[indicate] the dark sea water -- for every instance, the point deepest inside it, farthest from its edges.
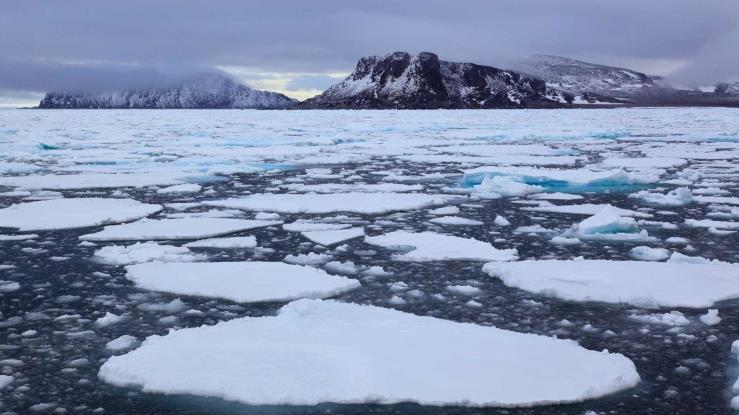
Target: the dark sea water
(47, 323)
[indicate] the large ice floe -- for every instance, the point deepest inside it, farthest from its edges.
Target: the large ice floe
(93, 180)
(645, 284)
(73, 213)
(180, 228)
(431, 246)
(369, 203)
(239, 281)
(317, 351)
(144, 252)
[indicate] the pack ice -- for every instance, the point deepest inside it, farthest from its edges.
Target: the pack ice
(317, 351)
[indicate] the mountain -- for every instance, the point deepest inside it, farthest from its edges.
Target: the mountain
(205, 90)
(591, 83)
(727, 89)
(577, 77)
(402, 81)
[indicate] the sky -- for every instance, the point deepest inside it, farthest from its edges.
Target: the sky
(300, 47)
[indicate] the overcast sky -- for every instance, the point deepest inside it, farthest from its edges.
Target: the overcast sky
(301, 47)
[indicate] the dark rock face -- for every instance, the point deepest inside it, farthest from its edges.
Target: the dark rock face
(205, 91)
(402, 81)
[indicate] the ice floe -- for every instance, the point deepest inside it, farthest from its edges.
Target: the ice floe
(645, 253)
(333, 237)
(181, 228)
(239, 281)
(679, 197)
(232, 242)
(430, 246)
(369, 203)
(73, 213)
(609, 225)
(455, 221)
(325, 351)
(144, 252)
(645, 284)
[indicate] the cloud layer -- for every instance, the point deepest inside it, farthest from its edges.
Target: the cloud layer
(57, 45)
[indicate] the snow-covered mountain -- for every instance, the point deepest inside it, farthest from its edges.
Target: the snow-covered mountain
(727, 88)
(589, 79)
(401, 80)
(205, 90)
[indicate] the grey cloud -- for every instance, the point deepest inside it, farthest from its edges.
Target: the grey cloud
(320, 82)
(320, 36)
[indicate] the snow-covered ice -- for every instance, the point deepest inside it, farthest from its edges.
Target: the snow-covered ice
(333, 237)
(645, 284)
(325, 351)
(144, 252)
(431, 246)
(455, 221)
(232, 242)
(180, 228)
(73, 213)
(333, 202)
(239, 281)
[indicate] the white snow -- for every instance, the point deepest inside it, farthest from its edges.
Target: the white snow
(123, 342)
(711, 318)
(430, 246)
(73, 213)
(466, 290)
(308, 226)
(310, 258)
(645, 253)
(180, 188)
(144, 252)
(493, 187)
(325, 351)
(673, 318)
(446, 210)
(679, 197)
(555, 196)
(93, 180)
(239, 281)
(501, 221)
(369, 203)
(179, 228)
(333, 237)
(644, 284)
(232, 242)
(108, 319)
(455, 221)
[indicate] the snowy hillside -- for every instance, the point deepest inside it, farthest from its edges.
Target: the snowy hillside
(206, 90)
(577, 77)
(401, 80)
